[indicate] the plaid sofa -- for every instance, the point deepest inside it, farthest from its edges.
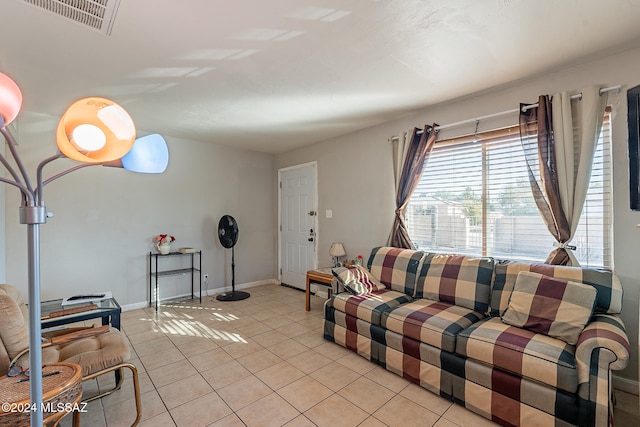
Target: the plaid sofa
(439, 323)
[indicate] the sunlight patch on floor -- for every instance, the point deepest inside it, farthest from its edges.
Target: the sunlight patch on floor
(198, 329)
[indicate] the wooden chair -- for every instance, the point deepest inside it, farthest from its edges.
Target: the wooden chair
(98, 351)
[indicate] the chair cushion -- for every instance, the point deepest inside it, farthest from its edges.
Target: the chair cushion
(521, 352)
(555, 307)
(14, 332)
(369, 307)
(609, 299)
(13, 292)
(396, 268)
(357, 280)
(432, 322)
(93, 354)
(456, 279)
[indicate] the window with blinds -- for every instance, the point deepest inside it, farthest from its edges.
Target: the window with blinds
(474, 198)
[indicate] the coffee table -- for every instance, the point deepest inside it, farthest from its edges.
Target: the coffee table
(53, 313)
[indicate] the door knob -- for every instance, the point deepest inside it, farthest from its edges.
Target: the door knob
(310, 239)
(312, 213)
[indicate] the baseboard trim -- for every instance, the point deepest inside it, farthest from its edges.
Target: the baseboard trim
(247, 285)
(205, 292)
(134, 306)
(624, 384)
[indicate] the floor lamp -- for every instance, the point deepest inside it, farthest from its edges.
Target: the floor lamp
(95, 131)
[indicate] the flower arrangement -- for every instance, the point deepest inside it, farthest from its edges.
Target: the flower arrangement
(163, 239)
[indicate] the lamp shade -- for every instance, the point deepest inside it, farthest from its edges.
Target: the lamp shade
(337, 249)
(149, 154)
(95, 130)
(10, 99)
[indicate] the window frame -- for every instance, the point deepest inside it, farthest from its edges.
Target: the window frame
(507, 134)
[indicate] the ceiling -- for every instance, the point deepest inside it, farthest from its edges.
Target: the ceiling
(279, 74)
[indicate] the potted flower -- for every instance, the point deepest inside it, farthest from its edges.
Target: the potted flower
(162, 242)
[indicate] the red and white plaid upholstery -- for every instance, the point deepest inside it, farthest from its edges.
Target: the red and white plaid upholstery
(432, 322)
(546, 305)
(456, 279)
(525, 353)
(510, 375)
(370, 306)
(609, 299)
(397, 268)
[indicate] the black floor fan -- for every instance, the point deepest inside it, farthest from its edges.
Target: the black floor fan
(228, 235)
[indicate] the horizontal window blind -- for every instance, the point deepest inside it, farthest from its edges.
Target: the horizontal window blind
(474, 198)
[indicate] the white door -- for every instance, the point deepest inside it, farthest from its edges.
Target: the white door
(298, 223)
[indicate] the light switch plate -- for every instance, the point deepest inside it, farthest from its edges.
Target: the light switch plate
(328, 213)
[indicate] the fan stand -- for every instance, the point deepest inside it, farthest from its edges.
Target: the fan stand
(233, 295)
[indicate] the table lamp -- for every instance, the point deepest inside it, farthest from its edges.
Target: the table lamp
(336, 251)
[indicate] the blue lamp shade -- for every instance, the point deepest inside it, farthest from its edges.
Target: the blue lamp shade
(149, 154)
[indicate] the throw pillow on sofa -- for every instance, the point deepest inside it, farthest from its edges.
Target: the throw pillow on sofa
(396, 268)
(550, 306)
(357, 280)
(456, 279)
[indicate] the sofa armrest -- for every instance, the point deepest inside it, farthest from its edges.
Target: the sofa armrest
(603, 346)
(606, 332)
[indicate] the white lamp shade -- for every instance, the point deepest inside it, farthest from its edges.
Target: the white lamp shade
(337, 249)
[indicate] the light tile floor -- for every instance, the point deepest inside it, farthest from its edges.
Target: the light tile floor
(263, 362)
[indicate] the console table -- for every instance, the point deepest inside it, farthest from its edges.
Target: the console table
(155, 273)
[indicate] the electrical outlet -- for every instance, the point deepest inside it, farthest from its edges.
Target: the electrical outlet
(205, 276)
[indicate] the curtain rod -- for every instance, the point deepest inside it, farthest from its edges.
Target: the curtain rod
(615, 88)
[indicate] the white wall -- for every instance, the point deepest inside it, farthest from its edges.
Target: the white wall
(105, 219)
(355, 181)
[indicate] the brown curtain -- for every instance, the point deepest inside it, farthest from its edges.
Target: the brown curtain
(417, 153)
(536, 136)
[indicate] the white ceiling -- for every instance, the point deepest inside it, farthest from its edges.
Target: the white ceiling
(272, 75)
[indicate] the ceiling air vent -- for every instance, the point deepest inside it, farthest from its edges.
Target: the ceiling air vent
(95, 14)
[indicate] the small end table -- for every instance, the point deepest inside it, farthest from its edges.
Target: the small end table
(61, 394)
(53, 313)
(321, 276)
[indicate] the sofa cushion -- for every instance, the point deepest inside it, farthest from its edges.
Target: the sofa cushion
(370, 306)
(432, 322)
(521, 352)
(396, 268)
(555, 307)
(609, 299)
(357, 280)
(456, 279)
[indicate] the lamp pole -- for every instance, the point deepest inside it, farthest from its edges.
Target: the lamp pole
(31, 215)
(35, 344)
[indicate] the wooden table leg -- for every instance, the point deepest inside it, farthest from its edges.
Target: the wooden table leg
(308, 294)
